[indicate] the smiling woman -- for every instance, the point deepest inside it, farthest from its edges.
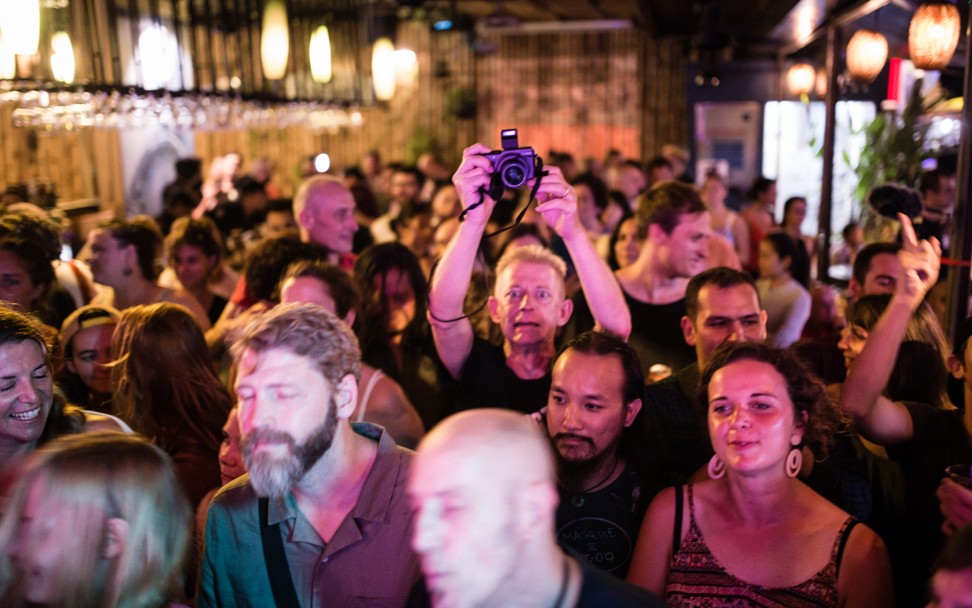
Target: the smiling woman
(31, 411)
(755, 532)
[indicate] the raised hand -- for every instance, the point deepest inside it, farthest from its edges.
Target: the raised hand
(955, 503)
(472, 181)
(920, 262)
(557, 204)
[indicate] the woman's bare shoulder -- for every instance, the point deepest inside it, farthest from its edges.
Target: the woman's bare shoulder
(96, 421)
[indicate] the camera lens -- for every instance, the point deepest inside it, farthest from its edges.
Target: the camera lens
(513, 176)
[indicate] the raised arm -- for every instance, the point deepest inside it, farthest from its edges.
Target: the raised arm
(558, 206)
(454, 339)
(875, 416)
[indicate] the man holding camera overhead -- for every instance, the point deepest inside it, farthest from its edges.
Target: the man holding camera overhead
(528, 301)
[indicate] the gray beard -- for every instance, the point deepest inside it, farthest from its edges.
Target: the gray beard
(275, 476)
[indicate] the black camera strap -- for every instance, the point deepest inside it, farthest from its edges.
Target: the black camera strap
(495, 191)
(495, 184)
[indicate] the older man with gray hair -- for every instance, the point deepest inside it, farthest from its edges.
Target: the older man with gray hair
(324, 208)
(529, 301)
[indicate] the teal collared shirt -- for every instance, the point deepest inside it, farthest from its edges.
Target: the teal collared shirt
(368, 561)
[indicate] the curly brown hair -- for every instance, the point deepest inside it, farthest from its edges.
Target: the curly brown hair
(35, 242)
(809, 396)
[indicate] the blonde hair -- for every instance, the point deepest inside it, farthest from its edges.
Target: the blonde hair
(532, 254)
(83, 481)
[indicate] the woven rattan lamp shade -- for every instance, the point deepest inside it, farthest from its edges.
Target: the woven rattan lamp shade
(933, 35)
(867, 53)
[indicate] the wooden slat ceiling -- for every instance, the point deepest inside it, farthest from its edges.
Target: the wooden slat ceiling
(752, 28)
(747, 24)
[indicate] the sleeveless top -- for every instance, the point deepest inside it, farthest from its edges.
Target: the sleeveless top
(726, 228)
(696, 578)
(366, 393)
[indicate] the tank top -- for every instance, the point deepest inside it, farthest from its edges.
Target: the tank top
(696, 578)
(366, 393)
(726, 228)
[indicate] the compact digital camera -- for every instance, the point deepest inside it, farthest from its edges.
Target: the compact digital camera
(514, 165)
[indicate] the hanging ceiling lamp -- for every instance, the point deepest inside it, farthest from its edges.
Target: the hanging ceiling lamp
(933, 35)
(160, 57)
(20, 25)
(801, 78)
(320, 55)
(8, 60)
(383, 69)
(62, 57)
(406, 67)
(275, 40)
(867, 52)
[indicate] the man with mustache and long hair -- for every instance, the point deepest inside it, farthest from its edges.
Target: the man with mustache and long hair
(595, 395)
(323, 511)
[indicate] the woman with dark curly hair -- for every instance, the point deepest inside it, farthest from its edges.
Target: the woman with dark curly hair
(393, 329)
(126, 255)
(28, 245)
(754, 533)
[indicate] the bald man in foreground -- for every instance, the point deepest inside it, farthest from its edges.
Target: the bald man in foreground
(484, 492)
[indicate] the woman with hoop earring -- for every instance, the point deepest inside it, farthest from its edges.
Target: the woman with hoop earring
(754, 534)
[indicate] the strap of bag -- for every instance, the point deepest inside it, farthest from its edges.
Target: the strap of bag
(282, 585)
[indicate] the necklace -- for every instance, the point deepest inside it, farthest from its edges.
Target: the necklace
(578, 499)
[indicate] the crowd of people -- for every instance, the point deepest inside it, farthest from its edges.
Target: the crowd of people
(396, 389)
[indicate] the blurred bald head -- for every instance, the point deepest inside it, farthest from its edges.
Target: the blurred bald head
(324, 208)
(508, 447)
(483, 489)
